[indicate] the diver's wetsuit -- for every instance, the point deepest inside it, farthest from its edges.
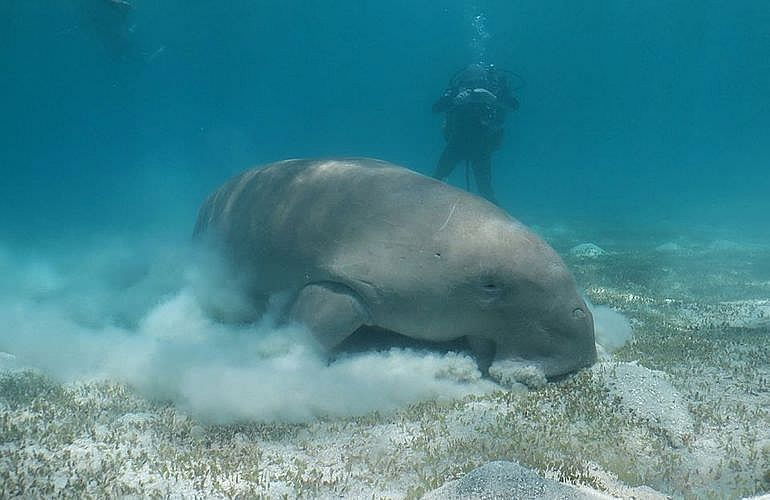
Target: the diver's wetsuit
(475, 103)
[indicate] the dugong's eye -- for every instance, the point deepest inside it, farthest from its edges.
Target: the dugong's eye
(578, 313)
(490, 292)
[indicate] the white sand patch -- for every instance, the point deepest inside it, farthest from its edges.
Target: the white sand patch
(649, 395)
(587, 251)
(669, 247)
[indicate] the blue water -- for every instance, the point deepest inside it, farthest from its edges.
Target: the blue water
(636, 113)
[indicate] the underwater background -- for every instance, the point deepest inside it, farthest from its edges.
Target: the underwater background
(121, 119)
(640, 152)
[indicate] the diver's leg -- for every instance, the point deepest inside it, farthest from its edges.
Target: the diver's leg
(482, 171)
(446, 162)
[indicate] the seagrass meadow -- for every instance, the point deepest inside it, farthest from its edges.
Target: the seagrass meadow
(682, 409)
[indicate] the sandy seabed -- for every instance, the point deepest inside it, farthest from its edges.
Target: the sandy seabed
(683, 409)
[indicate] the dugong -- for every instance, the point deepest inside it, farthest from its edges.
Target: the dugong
(361, 242)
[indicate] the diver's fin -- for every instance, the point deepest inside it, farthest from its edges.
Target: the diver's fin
(332, 311)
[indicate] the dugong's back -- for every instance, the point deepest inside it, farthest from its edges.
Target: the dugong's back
(297, 214)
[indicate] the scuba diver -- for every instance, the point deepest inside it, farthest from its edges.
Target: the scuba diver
(475, 103)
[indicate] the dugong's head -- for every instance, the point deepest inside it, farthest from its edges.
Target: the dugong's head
(497, 281)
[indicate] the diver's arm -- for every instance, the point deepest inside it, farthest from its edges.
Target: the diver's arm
(511, 102)
(444, 102)
(508, 99)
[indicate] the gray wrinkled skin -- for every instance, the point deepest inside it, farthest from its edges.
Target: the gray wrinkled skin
(361, 242)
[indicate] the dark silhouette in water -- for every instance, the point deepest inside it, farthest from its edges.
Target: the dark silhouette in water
(110, 22)
(475, 103)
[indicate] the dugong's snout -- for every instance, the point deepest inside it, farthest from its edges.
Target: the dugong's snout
(557, 344)
(579, 348)
(572, 341)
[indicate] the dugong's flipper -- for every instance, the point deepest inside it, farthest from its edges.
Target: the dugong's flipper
(332, 311)
(484, 350)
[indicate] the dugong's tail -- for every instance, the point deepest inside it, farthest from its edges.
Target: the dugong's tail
(202, 224)
(210, 211)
